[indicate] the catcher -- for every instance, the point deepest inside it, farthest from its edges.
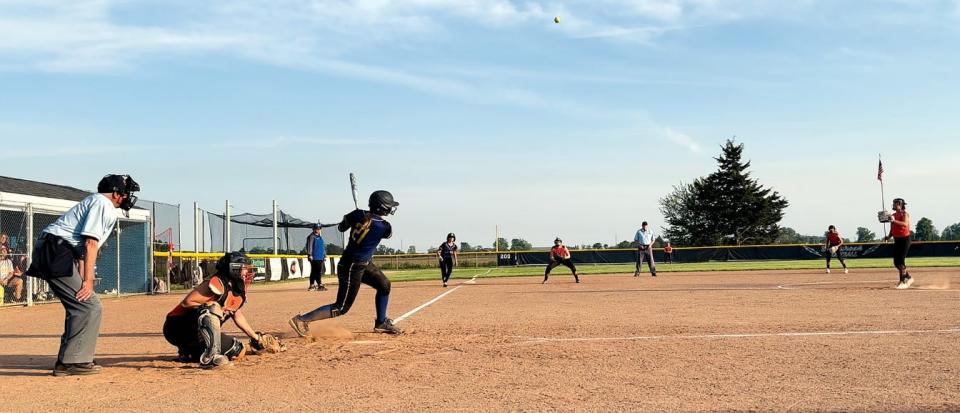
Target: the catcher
(194, 326)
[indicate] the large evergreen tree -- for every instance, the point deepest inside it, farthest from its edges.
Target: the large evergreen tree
(725, 207)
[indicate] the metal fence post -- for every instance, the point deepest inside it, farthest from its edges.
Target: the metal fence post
(151, 229)
(118, 258)
(30, 280)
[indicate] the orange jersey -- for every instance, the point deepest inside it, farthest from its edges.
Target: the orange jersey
(899, 230)
(560, 252)
(227, 299)
(668, 249)
(834, 238)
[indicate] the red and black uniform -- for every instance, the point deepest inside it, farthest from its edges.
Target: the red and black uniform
(901, 243)
(834, 240)
(559, 255)
(182, 328)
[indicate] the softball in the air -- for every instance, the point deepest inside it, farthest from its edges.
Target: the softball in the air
(556, 19)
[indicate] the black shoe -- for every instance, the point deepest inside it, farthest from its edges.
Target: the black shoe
(75, 369)
(322, 287)
(387, 327)
(636, 274)
(653, 274)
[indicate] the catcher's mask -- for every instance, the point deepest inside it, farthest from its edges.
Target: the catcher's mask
(557, 241)
(382, 203)
(236, 268)
(120, 184)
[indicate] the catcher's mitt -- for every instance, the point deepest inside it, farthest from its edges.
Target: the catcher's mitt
(267, 343)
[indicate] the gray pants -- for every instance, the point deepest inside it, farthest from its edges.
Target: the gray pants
(82, 325)
(645, 253)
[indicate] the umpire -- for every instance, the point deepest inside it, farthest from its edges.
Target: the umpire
(65, 257)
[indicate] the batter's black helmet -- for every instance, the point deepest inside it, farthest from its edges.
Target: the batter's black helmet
(382, 203)
(451, 235)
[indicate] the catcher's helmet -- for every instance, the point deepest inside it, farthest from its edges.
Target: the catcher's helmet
(230, 266)
(382, 203)
(121, 184)
(557, 240)
(900, 201)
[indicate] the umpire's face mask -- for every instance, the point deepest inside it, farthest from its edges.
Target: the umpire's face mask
(128, 202)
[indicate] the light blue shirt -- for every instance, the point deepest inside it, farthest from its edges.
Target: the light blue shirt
(644, 237)
(93, 217)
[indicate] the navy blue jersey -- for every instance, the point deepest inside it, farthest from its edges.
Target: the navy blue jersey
(446, 250)
(366, 231)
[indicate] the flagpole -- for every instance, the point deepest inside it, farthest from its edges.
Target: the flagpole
(883, 198)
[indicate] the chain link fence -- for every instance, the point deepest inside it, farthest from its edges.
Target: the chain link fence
(122, 266)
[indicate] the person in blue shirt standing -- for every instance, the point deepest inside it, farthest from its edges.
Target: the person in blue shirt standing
(367, 228)
(644, 240)
(66, 255)
(317, 254)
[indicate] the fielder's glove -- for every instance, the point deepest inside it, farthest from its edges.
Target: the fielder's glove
(266, 343)
(884, 216)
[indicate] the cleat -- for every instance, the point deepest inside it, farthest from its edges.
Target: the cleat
(217, 362)
(444, 284)
(901, 286)
(908, 282)
(302, 328)
(322, 287)
(828, 271)
(387, 327)
(636, 274)
(846, 271)
(76, 369)
(312, 288)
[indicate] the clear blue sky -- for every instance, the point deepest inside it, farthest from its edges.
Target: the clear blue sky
(476, 113)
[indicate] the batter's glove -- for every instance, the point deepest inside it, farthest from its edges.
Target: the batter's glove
(266, 343)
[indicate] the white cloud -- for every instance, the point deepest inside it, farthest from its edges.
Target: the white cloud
(681, 139)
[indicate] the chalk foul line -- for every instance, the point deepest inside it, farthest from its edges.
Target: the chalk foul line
(437, 298)
(739, 335)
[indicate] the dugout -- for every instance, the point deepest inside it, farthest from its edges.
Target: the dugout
(27, 207)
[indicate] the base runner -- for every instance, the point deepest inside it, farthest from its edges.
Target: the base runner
(447, 255)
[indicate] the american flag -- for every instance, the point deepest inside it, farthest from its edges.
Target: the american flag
(880, 171)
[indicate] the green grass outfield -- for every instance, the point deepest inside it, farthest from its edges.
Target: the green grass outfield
(469, 272)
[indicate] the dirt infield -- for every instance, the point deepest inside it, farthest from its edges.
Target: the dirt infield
(782, 341)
